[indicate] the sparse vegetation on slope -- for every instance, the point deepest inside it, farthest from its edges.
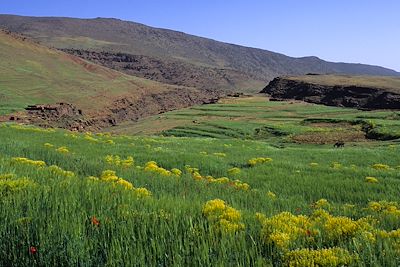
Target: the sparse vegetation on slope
(33, 74)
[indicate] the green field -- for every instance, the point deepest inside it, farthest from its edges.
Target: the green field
(256, 118)
(249, 183)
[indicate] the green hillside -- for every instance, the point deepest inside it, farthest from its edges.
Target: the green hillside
(32, 74)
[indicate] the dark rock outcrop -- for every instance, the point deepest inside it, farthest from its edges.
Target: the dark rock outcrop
(337, 95)
(67, 116)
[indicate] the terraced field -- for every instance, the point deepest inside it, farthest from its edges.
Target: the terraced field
(257, 118)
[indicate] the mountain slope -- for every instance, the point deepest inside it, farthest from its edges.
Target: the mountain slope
(31, 73)
(117, 36)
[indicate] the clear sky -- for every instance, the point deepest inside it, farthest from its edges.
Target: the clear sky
(360, 31)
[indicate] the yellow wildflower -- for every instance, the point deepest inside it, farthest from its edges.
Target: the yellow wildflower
(62, 149)
(370, 179)
(322, 203)
(234, 171)
(48, 145)
(124, 183)
(59, 171)
(109, 176)
(336, 165)
(271, 195)
(176, 172)
(254, 161)
(37, 163)
(7, 176)
(110, 142)
(222, 216)
(327, 257)
(152, 166)
(380, 166)
(142, 192)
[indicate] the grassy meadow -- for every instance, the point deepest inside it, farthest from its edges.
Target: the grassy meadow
(249, 183)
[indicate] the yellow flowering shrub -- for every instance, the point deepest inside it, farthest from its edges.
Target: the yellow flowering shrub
(284, 230)
(384, 207)
(111, 177)
(176, 171)
(336, 165)
(223, 217)
(240, 185)
(152, 166)
(91, 139)
(48, 145)
(391, 234)
(7, 176)
(59, 171)
(327, 257)
(32, 129)
(110, 142)
(237, 184)
(380, 166)
(125, 184)
(234, 171)
(322, 203)
(255, 161)
(219, 154)
(117, 161)
(26, 161)
(13, 185)
(271, 195)
(142, 192)
(371, 179)
(71, 135)
(62, 149)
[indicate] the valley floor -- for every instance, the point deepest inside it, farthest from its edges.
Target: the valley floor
(244, 182)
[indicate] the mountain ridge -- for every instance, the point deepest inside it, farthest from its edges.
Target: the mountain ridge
(119, 36)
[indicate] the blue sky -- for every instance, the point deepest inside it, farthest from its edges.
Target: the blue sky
(360, 31)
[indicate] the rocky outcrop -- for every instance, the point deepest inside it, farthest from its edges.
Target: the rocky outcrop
(132, 109)
(61, 115)
(68, 116)
(333, 95)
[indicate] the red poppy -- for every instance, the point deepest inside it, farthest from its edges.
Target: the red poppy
(32, 250)
(95, 221)
(308, 232)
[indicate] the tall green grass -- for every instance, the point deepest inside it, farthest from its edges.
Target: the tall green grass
(55, 214)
